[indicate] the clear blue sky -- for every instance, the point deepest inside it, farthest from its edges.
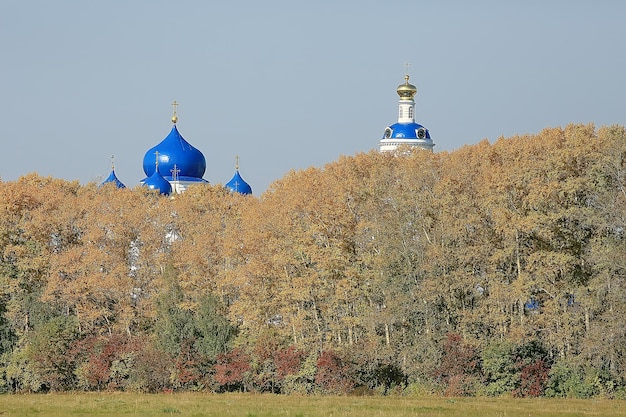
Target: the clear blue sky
(291, 84)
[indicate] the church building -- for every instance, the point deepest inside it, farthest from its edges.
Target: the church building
(406, 131)
(173, 165)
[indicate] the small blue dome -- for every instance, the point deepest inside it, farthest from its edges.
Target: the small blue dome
(406, 131)
(237, 184)
(175, 150)
(112, 178)
(157, 182)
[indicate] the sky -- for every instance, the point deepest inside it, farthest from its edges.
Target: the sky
(289, 84)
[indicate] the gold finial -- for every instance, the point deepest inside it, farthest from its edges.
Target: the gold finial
(406, 91)
(156, 162)
(112, 162)
(174, 117)
(237, 162)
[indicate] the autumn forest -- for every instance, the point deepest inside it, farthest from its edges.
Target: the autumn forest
(495, 269)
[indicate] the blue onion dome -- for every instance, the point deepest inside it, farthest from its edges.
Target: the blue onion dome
(238, 185)
(406, 131)
(157, 182)
(112, 178)
(177, 158)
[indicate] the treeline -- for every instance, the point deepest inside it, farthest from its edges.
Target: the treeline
(496, 269)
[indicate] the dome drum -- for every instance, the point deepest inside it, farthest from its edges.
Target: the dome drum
(406, 131)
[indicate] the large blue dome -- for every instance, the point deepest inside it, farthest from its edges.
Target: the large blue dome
(175, 150)
(406, 131)
(237, 184)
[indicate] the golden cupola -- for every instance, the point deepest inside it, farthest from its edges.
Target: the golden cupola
(406, 91)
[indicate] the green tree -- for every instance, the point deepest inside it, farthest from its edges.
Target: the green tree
(48, 354)
(501, 375)
(193, 338)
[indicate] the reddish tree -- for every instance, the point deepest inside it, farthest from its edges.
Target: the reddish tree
(459, 366)
(190, 365)
(533, 365)
(121, 362)
(533, 379)
(232, 368)
(102, 352)
(288, 361)
(333, 374)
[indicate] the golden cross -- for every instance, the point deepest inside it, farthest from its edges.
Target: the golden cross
(237, 162)
(157, 159)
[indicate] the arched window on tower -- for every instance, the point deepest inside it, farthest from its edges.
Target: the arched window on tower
(410, 112)
(400, 112)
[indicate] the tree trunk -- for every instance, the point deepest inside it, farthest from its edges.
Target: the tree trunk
(387, 337)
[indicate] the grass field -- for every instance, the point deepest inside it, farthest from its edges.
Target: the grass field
(250, 405)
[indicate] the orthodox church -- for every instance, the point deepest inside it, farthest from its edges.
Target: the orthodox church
(406, 131)
(174, 164)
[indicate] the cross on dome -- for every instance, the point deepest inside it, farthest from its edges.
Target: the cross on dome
(238, 184)
(175, 116)
(175, 172)
(177, 159)
(406, 131)
(112, 178)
